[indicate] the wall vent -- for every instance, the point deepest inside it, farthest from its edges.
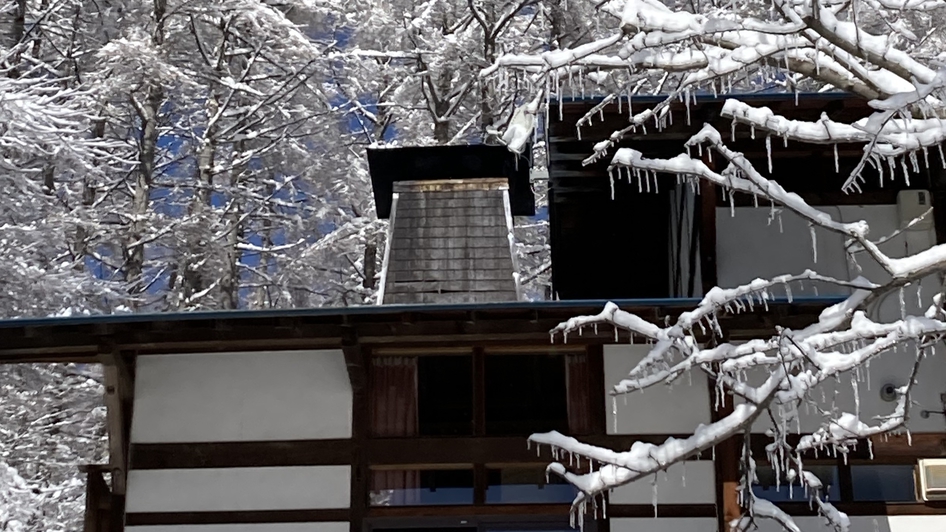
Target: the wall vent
(931, 479)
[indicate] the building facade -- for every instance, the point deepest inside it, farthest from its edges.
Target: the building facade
(403, 418)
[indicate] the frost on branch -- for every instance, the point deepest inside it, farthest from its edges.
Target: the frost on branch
(880, 50)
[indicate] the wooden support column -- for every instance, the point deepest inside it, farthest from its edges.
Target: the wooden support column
(707, 229)
(480, 474)
(119, 399)
(356, 360)
(938, 201)
(726, 465)
(599, 403)
(98, 500)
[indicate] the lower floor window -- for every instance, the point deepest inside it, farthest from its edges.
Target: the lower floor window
(527, 485)
(428, 487)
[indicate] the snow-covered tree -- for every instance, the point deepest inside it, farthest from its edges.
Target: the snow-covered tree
(886, 51)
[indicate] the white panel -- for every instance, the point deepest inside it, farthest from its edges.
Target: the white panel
(239, 488)
(659, 409)
(748, 247)
(689, 484)
(916, 523)
(259, 396)
(664, 524)
(261, 527)
(867, 523)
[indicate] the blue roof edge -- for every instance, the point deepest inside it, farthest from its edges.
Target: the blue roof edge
(102, 319)
(709, 97)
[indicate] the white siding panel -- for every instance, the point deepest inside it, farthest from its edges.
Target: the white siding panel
(749, 247)
(689, 484)
(262, 527)
(656, 410)
(916, 523)
(235, 489)
(664, 524)
(258, 396)
(868, 523)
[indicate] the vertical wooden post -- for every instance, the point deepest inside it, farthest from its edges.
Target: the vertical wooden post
(119, 400)
(480, 474)
(599, 403)
(707, 221)
(97, 500)
(356, 360)
(938, 201)
(726, 464)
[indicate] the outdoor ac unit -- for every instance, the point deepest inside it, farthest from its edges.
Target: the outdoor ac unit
(931, 479)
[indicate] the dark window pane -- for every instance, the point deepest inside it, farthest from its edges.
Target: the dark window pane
(766, 488)
(527, 485)
(883, 483)
(421, 488)
(445, 395)
(525, 394)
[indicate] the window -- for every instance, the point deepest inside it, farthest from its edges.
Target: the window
(445, 395)
(421, 396)
(525, 394)
(527, 485)
(766, 488)
(421, 488)
(890, 483)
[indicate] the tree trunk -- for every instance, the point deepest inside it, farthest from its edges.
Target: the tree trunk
(370, 266)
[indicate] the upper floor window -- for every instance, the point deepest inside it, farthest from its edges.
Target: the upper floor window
(511, 395)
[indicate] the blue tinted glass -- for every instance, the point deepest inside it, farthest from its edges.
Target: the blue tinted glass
(766, 488)
(421, 488)
(421, 496)
(883, 483)
(527, 485)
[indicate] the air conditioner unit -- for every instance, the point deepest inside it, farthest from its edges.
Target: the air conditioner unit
(931, 479)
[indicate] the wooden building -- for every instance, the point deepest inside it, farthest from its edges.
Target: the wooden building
(400, 418)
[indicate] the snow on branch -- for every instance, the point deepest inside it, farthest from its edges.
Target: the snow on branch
(881, 50)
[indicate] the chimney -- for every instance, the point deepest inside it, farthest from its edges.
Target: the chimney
(450, 211)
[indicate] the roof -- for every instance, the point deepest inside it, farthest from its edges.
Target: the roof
(450, 241)
(424, 163)
(86, 338)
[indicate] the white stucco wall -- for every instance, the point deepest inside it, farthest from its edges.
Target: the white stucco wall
(263, 527)
(880, 523)
(657, 410)
(689, 483)
(664, 524)
(749, 247)
(256, 396)
(236, 489)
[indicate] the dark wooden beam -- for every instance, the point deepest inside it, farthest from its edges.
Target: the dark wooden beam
(357, 359)
(599, 403)
(937, 179)
(485, 450)
(662, 510)
(119, 399)
(237, 517)
(726, 464)
(870, 508)
(707, 229)
(241, 454)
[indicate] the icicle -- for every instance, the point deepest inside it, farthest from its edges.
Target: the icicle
(919, 290)
(814, 244)
(768, 150)
(836, 163)
(654, 499)
(614, 412)
(903, 304)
